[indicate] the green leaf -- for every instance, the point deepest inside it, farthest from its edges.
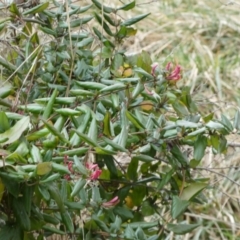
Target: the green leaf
(192, 190)
(5, 91)
(78, 186)
(177, 153)
(143, 158)
(143, 72)
(199, 147)
(187, 124)
(111, 166)
(67, 220)
(53, 230)
(7, 65)
(123, 212)
(197, 132)
(236, 123)
(54, 131)
(51, 178)
(75, 139)
(75, 151)
(178, 206)
(55, 195)
(103, 7)
(91, 85)
(50, 219)
(106, 124)
(214, 125)
(141, 224)
(226, 122)
(114, 145)
(182, 228)
(134, 120)
(129, 233)
(10, 184)
(165, 179)
(114, 87)
(11, 231)
(14, 9)
(15, 132)
(86, 139)
(44, 192)
(132, 170)
(135, 19)
(4, 123)
(39, 8)
(49, 107)
(44, 168)
(180, 108)
(68, 112)
(21, 214)
(103, 24)
(80, 167)
(127, 6)
(100, 224)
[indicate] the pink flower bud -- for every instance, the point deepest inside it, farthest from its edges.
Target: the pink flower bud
(174, 74)
(154, 66)
(95, 175)
(111, 203)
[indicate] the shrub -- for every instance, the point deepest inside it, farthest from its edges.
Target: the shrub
(96, 144)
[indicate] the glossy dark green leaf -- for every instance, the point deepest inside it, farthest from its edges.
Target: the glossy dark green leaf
(114, 145)
(127, 6)
(14, 9)
(134, 20)
(14, 133)
(55, 195)
(192, 190)
(100, 224)
(134, 120)
(103, 24)
(11, 231)
(109, 161)
(39, 8)
(182, 228)
(53, 230)
(54, 131)
(103, 7)
(199, 147)
(177, 153)
(67, 220)
(21, 213)
(132, 172)
(4, 122)
(165, 178)
(78, 186)
(178, 206)
(5, 91)
(86, 139)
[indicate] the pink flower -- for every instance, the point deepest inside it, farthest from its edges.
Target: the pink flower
(111, 203)
(95, 175)
(154, 66)
(174, 74)
(95, 171)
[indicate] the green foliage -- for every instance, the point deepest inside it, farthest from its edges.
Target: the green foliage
(79, 102)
